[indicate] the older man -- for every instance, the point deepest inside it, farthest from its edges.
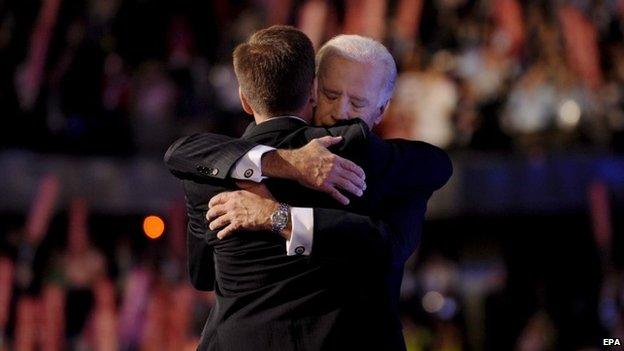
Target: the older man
(338, 286)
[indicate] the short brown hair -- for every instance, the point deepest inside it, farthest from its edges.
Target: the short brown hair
(275, 70)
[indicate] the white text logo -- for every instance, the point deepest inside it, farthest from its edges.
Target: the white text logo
(611, 342)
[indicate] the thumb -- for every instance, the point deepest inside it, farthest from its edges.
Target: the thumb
(328, 141)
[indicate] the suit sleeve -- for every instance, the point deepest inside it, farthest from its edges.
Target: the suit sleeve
(205, 156)
(414, 166)
(389, 238)
(200, 258)
(200, 249)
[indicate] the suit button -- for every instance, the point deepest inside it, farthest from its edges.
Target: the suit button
(248, 173)
(299, 250)
(199, 168)
(214, 171)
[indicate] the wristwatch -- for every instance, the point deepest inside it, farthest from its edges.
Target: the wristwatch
(279, 218)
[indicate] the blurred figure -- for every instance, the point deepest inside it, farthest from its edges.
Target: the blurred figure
(423, 104)
(531, 107)
(538, 334)
(80, 266)
(153, 107)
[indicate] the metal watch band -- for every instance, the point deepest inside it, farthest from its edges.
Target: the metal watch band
(279, 218)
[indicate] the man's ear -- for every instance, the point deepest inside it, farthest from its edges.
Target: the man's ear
(246, 107)
(382, 110)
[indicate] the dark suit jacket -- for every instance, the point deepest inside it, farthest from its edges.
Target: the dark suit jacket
(345, 293)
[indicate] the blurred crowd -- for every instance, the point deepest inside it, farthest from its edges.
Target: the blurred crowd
(485, 75)
(66, 286)
(511, 75)
(71, 279)
(125, 78)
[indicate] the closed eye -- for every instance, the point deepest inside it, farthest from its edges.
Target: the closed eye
(331, 96)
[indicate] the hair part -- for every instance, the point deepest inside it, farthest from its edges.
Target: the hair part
(364, 50)
(275, 70)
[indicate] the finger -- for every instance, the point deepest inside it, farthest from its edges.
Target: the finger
(227, 231)
(219, 222)
(348, 185)
(219, 199)
(351, 176)
(215, 211)
(338, 196)
(347, 164)
(328, 141)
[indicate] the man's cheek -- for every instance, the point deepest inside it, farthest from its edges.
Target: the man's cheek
(318, 121)
(319, 118)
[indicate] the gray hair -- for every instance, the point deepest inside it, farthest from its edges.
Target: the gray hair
(364, 50)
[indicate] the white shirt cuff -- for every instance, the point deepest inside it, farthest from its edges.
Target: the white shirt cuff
(249, 167)
(300, 242)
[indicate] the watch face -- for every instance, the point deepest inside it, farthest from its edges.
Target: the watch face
(280, 218)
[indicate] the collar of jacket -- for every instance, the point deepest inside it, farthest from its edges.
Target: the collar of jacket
(274, 124)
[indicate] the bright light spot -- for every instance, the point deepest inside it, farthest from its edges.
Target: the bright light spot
(569, 114)
(153, 227)
(433, 301)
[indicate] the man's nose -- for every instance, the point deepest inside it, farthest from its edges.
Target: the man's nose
(341, 109)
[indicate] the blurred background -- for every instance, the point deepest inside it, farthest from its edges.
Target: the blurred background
(522, 249)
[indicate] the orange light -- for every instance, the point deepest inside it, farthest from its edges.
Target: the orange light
(153, 227)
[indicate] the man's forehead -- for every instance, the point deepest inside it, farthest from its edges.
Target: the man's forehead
(352, 76)
(339, 60)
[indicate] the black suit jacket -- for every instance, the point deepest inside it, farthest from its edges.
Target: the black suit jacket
(346, 292)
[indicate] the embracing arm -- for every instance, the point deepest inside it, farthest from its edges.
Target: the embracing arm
(210, 156)
(330, 234)
(413, 166)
